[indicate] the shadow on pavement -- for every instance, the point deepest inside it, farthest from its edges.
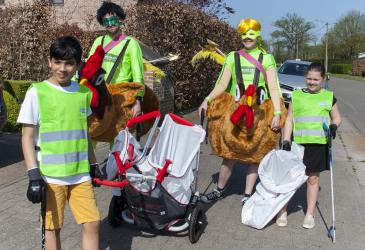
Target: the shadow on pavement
(10, 149)
(299, 200)
(116, 238)
(121, 238)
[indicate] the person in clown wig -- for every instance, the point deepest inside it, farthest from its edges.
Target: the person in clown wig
(114, 72)
(130, 69)
(244, 110)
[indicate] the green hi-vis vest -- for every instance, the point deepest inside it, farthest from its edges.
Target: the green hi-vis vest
(247, 70)
(310, 111)
(63, 130)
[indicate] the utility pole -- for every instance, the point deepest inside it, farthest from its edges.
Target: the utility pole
(326, 44)
(297, 49)
(326, 53)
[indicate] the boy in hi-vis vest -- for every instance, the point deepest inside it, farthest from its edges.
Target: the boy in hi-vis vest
(56, 146)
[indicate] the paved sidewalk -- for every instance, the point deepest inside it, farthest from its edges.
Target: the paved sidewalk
(20, 228)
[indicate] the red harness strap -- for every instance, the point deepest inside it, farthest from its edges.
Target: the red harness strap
(161, 173)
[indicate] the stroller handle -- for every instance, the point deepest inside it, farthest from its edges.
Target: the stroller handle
(144, 117)
(119, 184)
(180, 120)
(202, 117)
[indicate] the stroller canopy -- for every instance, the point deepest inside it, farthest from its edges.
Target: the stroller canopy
(178, 143)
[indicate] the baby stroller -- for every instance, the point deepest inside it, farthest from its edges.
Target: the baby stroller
(158, 184)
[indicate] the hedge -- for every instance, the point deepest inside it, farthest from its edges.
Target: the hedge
(172, 27)
(341, 68)
(17, 88)
(13, 108)
(14, 94)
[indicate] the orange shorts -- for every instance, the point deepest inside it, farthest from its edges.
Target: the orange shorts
(81, 199)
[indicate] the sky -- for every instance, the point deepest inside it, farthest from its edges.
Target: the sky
(316, 11)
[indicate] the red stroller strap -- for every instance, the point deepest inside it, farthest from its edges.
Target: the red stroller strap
(122, 168)
(120, 165)
(130, 152)
(162, 172)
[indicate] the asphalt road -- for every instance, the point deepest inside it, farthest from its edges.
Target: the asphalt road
(351, 96)
(10, 149)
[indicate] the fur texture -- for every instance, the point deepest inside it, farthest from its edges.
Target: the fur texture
(116, 115)
(237, 142)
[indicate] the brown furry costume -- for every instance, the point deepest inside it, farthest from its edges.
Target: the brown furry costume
(236, 142)
(117, 114)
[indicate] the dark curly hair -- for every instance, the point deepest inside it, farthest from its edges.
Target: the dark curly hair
(109, 8)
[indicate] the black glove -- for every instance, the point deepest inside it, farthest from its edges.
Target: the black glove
(286, 146)
(95, 173)
(37, 186)
(333, 130)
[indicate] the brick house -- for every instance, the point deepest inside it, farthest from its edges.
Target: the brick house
(358, 66)
(83, 12)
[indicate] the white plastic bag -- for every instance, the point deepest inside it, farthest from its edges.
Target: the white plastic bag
(281, 174)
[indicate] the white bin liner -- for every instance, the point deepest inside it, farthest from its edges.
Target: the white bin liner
(281, 174)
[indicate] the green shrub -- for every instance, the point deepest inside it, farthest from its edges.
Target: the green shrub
(12, 111)
(341, 68)
(17, 88)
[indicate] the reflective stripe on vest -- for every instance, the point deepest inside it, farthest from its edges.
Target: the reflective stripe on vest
(64, 135)
(310, 111)
(64, 158)
(312, 118)
(63, 130)
(307, 132)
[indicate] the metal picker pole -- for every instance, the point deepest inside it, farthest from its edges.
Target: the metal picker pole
(43, 217)
(332, 229)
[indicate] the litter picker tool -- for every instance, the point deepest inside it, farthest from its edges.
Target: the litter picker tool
(43, 218)
(332, 229)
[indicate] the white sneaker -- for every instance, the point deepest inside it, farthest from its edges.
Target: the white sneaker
(281, 219)
(245, 198)
(308, 221)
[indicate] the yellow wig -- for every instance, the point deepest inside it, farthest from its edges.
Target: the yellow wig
(251, 24)
(248, 24)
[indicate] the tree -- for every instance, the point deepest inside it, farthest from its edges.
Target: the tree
(347, 37)
(292, 32)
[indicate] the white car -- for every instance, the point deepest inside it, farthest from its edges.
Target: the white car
(291, 76)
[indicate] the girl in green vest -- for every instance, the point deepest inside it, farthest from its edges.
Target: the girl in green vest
(308, 110)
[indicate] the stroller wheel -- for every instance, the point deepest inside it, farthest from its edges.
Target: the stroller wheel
(116, 206)
(196, 224)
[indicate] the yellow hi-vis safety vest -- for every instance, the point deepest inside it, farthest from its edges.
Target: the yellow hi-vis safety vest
(63, 130)
(310, 111)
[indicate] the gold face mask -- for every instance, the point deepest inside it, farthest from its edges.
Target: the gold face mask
(250, 34)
